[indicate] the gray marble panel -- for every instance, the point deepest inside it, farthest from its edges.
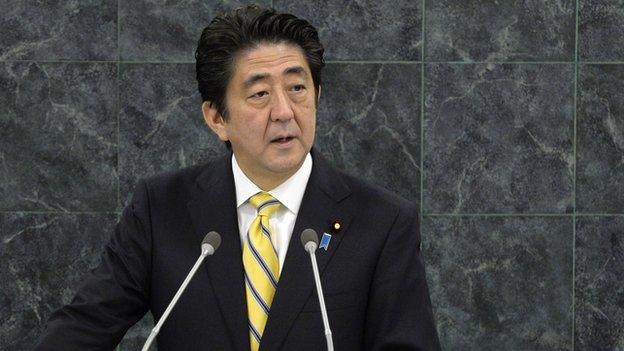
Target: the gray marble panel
(167, 30)
(53, 30)
(499, 138)
(58, 137)
(363, 30)
(44, 257)
(369, 123)
(137, 335)
(599, 283)
(531, 30)
(161, 123)
(601, 30)
(600, 139)
(500, 283)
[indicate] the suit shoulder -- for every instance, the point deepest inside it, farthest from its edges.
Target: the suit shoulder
(368, 192)
(174, 185)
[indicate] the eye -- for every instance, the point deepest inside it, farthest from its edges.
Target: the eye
(298, 87)
(259, 94)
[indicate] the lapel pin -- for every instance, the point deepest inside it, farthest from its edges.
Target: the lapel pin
(325, 241)
(336, 227)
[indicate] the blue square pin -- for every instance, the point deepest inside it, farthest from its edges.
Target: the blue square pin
(325, 241)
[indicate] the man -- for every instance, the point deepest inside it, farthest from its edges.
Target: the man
(259, 73)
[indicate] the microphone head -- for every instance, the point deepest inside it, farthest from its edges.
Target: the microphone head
(309, 235)
(213, 239)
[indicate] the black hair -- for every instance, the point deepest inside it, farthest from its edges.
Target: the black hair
(230, 33)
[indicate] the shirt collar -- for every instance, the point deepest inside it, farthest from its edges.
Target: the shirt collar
(289, 193)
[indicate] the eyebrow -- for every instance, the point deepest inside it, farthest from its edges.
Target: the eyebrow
(295, 70)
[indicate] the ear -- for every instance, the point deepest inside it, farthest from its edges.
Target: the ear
(214, 120)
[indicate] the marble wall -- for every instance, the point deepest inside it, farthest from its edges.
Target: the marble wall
(503, 120)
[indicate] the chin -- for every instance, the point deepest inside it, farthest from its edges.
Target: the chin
(288, 164)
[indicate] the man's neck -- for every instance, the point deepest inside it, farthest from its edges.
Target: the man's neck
(267, 181)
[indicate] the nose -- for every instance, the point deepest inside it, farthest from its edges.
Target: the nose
(281, 109)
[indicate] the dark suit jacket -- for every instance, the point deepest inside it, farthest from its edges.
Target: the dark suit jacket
(372, 273)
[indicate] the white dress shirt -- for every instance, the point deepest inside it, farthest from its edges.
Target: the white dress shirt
(289, 193)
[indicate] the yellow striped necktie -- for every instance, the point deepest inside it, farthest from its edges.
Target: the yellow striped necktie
(261, 266)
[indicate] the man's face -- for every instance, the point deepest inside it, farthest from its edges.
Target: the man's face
(271, 111)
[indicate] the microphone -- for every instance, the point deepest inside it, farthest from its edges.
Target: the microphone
(309, 240)
(209, 245)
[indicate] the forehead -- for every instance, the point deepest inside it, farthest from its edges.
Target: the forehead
(268, 59)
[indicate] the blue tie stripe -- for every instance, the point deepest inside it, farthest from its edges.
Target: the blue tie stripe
(268, 203)
(254, 332)
(261, 262)
(266, 232)
(257, 296)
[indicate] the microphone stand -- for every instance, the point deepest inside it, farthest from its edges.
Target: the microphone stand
(206, 250)
(311, 248)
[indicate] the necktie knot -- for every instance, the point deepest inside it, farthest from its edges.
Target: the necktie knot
(265, 204)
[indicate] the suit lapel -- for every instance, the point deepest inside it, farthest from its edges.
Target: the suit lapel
(214, 208)
(322, 203)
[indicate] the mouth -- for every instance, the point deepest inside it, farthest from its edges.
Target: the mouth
(282, 140)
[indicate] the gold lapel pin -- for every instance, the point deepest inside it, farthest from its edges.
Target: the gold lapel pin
(336, 226)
